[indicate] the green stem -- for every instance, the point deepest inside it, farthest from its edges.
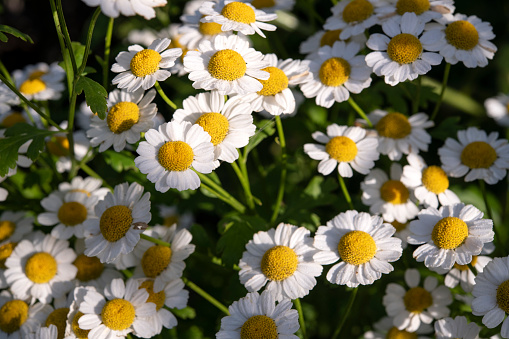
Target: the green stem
(359, 111)
(345, 191)
(163, 95)
(5, 72)
(92, 173)
(282, 180)
(107, 49)
(204, 178)
(302, 323)
(206, 296)
(227, 199)
(155, 240)
(127, 273)
(245, 185)
(65, 33)
(417, 96)
(472, 268)
(442, 91)
(346, 314)
(65, 51)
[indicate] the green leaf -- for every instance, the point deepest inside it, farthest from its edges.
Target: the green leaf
(78, 50)
(13, 31)
(185, 313)
(265, 130)
(119, 161)
(95, 95)
(41, 177)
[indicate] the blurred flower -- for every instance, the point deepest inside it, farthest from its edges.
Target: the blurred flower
(498, 109)
(461, 274)
(113, 8)
(352, 17)
(327, 38)
(457, 328)
(386, 330)
(424, 10)
(40, 82)
(89, 186)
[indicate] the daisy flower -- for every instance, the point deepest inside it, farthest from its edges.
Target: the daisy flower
(491, 292)
(477, 155)
(461, 274)
(404, 52)
(418, 304)
(327, 38)
(237, 16)
(271, 6)
(226, 64)
(282, 258)
(111, 232)
(141, 67)
(388, 196)
(14, 226)
(129, 115)
(113, 8)
(498, 109)
(337, 71)
(363, 243)
(72, 329)
(41, 268)
(430, 183)
(457, 328)
(89, 186)
(171, 152)
(424, 10)
(257, 315)
(352, 17)
(452, 234)
(386, 330)
(50, 332)
(195, 31)
(346, 148)
(40, 82)
(122, 309)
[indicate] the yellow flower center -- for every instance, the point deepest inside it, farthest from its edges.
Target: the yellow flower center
(34, 84)
(157, 298)
(89, 268)
(123, 116)
(210, 28)
(12, 119)
(334, 72)
(399, 226)
(239, 12)
(115, 222)
(417, 299)
(413, 6)
(342, 149)
(394, 126)
(5, 252)
(145, 62)
(58, 318)
(72, 213)
(357, 247)
(395, 192)
(58, 146)
(216, 125)
(435, 180)
(503, 296)
(465, 267)
(449, 232)
(227, 64)
(263, 3)
(279, 262)
(404, 48)
(259, 327)
(41, 267)
(13, 314)
(175, 156)
(330, 37)
(118, 314)
(478, 154)
(357, 10)
(277, 82)
(462, 35)
(394, 333)
(155, 260)
(7, 229)
(78, 332)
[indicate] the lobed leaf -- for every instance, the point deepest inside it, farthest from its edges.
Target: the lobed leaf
(95, 95)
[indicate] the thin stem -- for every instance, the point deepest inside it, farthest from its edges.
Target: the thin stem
(415, 103)
(359, 111)
(227, 199)
(346, 314)
(472, 268)
(5, 72)
(302, 323)
(163, 95)
(155, 240)
(282, 180)
(65, 52)
(65, 34)
(245, 185)
(107, 49)
(345, 191)
(442, 91)
(206, 296)
(92, 173)
(127, 273)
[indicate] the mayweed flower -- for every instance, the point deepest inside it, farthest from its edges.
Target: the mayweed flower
(384, 329)
(462, 275)
(327, 38)
(113, 8)
(352, 17)
(457, 328)
(424, 10)
(40, 82)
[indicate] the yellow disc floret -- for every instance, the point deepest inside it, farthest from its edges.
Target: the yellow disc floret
(145, 62)
(239, 12)
(175, 156)
(7, 229)
(155, 260)
(72, 213)
(210, 28)
(503, 296)
(58, 146)
(5, 252)
(279, 262)
(395, 333)
(227, 64)
(34, 84)
(118, 314)
(412, 6)
(334, 72)
(394, 126)
(417, 299)
(449, 233)
(263, 3)
(13, 314)
(115, 222)
(330, 37)
(123, 116)
(78, 332)
(12, 119)
(356, 247)
(435, 180)
(462, 35)
(277, 82)
(341, 149)
(89, 268)
(465, 267)
(216, 125)
(58, 318)
(478, 154)
(157, 298)
(357, 10)
(404, 48)
(41, 267)
(395, 192)
(259, 327)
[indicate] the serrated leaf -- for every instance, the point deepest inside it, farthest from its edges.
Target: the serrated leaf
(13, 31)
(119, 161)
(265, 130)
(95, 95)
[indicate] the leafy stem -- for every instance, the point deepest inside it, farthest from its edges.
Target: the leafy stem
(155, 240)
(359, 111)
(345, 191)
(302, 322)
(245, 185)
(218, 191)
(282, 180)
(107, 49)
(163, 95)
(206, 296)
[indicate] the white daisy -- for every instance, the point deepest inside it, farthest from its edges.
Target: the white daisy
(141, 67)
(229, 124)
(402, 53)
(452, 234)
(352, 17)
(461, 274)
(430, 183)
(271, 6)
(226, 64)
(50, 332)
(41, 269)
(346, 148)
(424, 10)
(363, 243)
(491, 292)
(417, 305)
(129, 115)
(111, 232)
(237, 16)
(337, 71)
(257, 315)
(457, 328)
(120, 311)
(477, 155)
(72, 329)
(14, 226)
(283, 257)
(40, 82)
(386, 330)
(170, 154)
(89, 186)
(388, 196)
(498, 109)
(194, 31)
(113, 8)
(327, 38)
